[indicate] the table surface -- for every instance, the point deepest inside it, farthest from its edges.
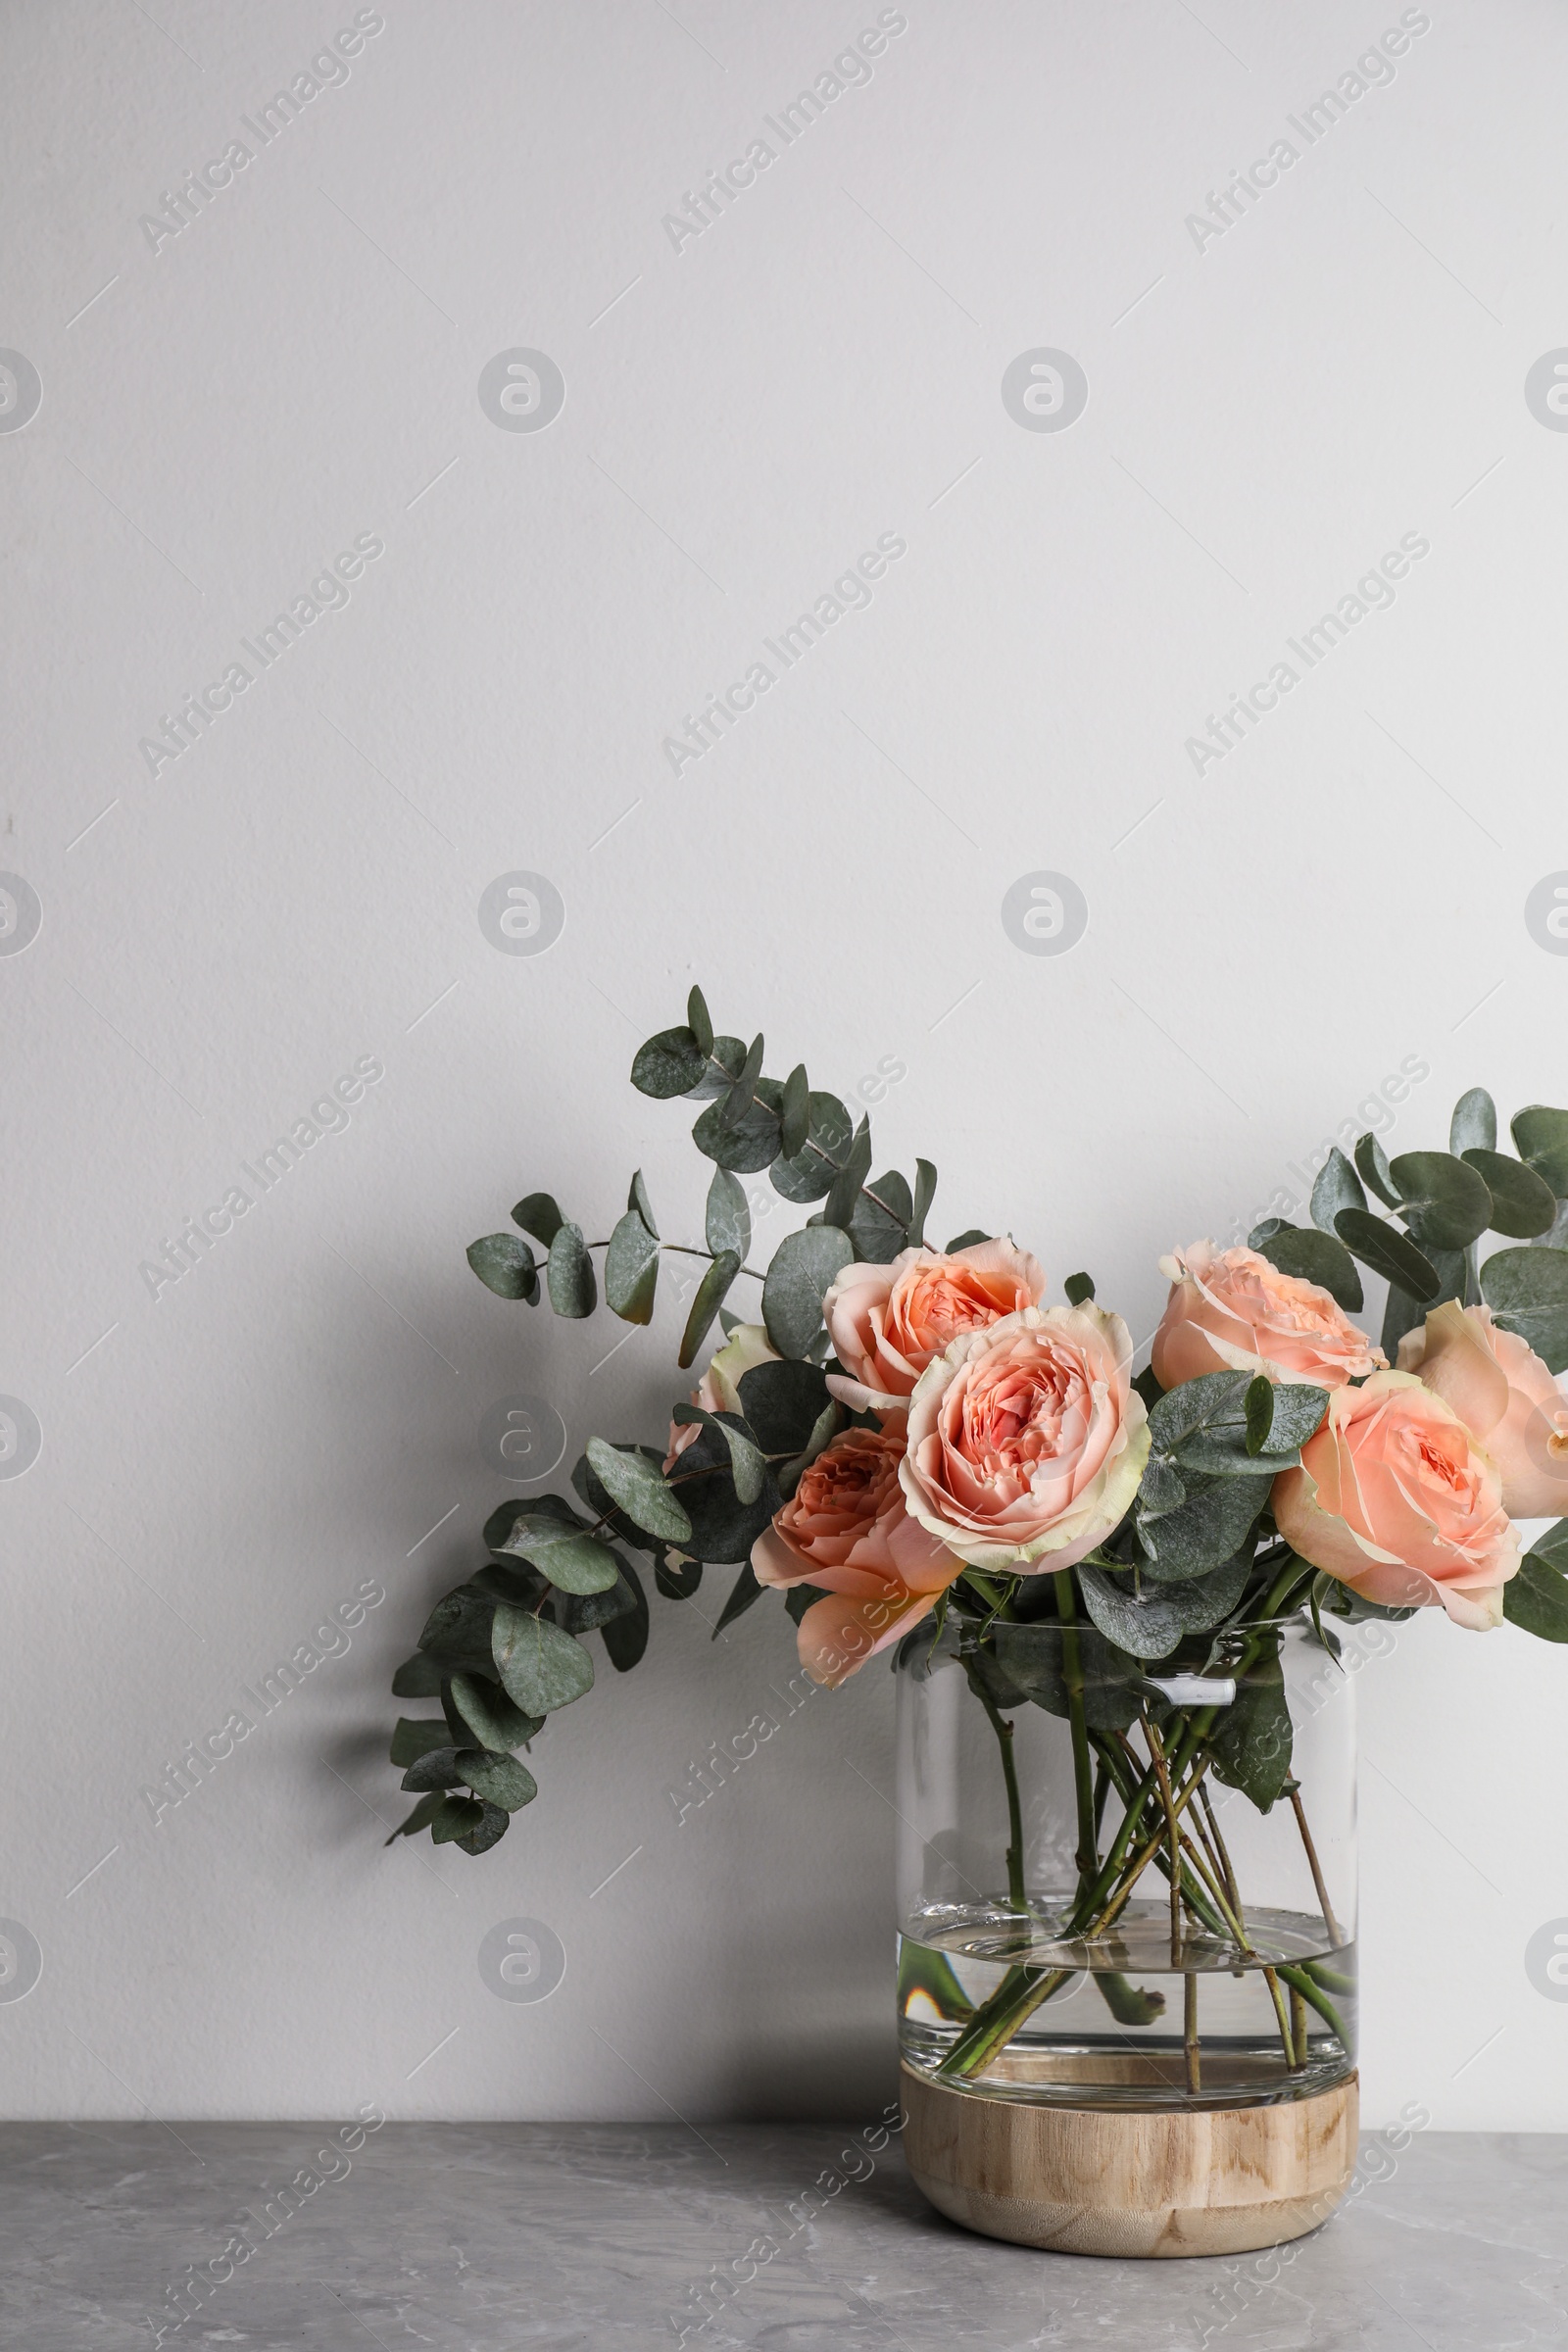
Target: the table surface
(473, 2237)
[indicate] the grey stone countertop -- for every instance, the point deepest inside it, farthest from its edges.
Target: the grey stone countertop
(472, 2237)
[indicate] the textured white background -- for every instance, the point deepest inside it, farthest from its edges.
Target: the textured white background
(1266, 943)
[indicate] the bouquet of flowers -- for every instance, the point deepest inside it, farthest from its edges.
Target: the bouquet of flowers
(909, 1443)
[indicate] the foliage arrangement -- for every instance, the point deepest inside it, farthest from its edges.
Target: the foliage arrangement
(899, 1436)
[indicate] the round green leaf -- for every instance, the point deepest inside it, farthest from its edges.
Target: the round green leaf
(728, 1221)
(631, 1269)
(805, 1175)
(1523, 1204)
(1527, 1290)
(1337, 1187)
(804, 1266)
(457, 1817)
(537, 1214)
(572, 1560)
(712, 1292)
(1386, 1250)
(493, 1720)
(669, 1064)
(1444, 1202)
(1541, 1137)
(640, 1489)
(505, 1265)
(1474, 1125)
(1536, 1599)
(1373, 1164)
(1310, 1256)
(500, 1780)
(573, 1291)
(541, 1668)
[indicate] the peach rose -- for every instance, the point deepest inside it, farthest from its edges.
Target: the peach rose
(1394, 1498)
(1027, 1440)
(1229, 1311)
(719, 1388)
(887, 1322)
(1505, 1396)
(846, 1529)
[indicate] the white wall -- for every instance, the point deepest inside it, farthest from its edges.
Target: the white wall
(1267, 941)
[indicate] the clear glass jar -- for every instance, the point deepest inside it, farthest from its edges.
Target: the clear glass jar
(1045, 1779)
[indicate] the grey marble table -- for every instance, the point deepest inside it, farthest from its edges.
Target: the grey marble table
(794, 2238)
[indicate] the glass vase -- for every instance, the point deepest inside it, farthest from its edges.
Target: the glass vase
(1130, 1895)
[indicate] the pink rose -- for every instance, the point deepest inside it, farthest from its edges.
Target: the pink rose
(1394, 1498)
(846, 1529)
(1505, 1396)
(1027, 1440)
(719, 1388)
(1229, 1311)
(887, 1322)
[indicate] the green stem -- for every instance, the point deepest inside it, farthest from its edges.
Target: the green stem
(1313, 1993)
(1072, 1675)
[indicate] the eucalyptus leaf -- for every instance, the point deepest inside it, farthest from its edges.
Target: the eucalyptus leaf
(721, 1067)
(487, 1830)
(541, 1668)
(573, 1562)
(804, 1265)
(1527, 1290)
(505, 1265)
(1386, 1249)
(573, 1291)
(1078, 1288)
(699, 1020)
(631, 1269)
(537, 1214)
(722, 1527)
(500, 1780)
(1258, 1405)
(637, 1198)
(925, 1192)
(1400, 1314)
(459, 1626)
(823, 1429)
(436, 1768)
(1030, 1656)
(1251, 1742)
(879, 1222)
(1337, 1187)
(741, 1096)
(669, 1064)
(808, 1174)
(1373, 1164)
(679, 1579)
(798, 1598)
(1536, 1599)
(1540, 1137)
(1474, 1125)
(423, 1813)
(747, 1464)
(845, 1191)
(744, 1141)
(458, 1818)
(626, 1632)
(1146, 1627)
(1206, 1530)
(418, 1677)
(492, 1718)
(1442, 1200)
(1310, 1256)
(709, 1297)
(630, 1480)
(967, 1239)
(783, 1403)
(728, 1220)
(1523, 1204)
(742, 1594)
(410, 1739)
(795, 1113)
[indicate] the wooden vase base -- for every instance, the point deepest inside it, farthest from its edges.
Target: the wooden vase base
(1160, 2182)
